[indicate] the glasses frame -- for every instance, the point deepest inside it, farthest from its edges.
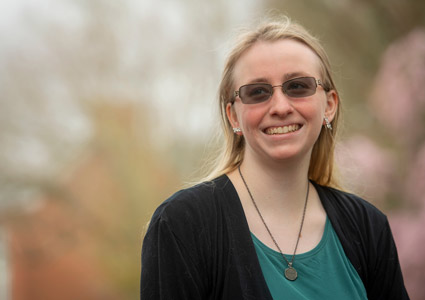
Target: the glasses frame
(317, 81)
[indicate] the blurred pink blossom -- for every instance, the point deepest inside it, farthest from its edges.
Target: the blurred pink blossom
(415, 182)
(365, 168)
(398, 95)
(397, 100)
(409, 235)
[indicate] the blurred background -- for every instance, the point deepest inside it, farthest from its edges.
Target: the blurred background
(108, 107)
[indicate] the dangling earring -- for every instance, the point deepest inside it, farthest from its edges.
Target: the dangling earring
(328, 124)
(236, 129)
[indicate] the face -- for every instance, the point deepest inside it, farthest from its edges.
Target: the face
(282, 127)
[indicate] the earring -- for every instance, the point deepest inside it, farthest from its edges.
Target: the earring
(328, 124)
(236, 130)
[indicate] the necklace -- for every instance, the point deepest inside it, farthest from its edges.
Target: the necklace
(290, 272)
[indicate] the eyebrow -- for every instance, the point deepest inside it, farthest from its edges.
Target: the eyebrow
(286, 77)
(258, 80)
(292, 75)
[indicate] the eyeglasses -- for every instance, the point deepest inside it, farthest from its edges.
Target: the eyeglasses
(294, 88)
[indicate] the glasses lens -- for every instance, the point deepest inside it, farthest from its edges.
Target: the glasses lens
(255, 93)
(300, 87)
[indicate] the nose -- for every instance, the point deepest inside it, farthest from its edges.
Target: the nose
(280, 104)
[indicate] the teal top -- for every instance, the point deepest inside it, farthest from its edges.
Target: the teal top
(323, 272)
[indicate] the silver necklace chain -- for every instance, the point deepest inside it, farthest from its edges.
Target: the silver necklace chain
(290, 272)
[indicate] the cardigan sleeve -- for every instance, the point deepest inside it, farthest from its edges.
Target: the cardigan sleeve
(387, 282)
(169, 270)
(366, 237)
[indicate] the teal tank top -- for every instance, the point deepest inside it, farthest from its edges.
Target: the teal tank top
(323, 272)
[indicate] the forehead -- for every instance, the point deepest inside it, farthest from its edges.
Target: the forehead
(276, 61)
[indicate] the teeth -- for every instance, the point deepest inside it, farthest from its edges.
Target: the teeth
(284, 129)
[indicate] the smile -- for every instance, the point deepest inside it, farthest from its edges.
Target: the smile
(284, 129)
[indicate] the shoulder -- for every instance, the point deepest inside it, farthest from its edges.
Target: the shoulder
(197, 202)
(350, 208)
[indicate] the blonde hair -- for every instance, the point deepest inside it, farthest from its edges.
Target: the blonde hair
(232, 152)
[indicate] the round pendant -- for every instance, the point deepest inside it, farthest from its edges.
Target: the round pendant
(291, 273)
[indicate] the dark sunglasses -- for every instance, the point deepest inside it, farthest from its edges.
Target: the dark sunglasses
(294, 88)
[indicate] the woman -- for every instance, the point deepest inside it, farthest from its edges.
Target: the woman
(269, 223)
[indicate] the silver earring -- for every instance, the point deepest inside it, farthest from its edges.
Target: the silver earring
(236, 130)
(328, 124)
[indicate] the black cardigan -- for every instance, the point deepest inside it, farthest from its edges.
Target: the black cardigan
(198, 246)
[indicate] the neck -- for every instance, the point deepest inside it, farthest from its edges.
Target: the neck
(278, 184)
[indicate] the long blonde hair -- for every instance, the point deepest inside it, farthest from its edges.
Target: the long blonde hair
(231, 154)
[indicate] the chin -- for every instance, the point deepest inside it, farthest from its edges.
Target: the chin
(287, 155)
(284, 157)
